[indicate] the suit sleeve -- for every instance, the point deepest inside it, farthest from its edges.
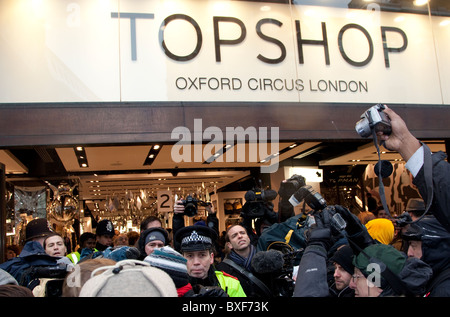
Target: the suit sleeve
(441, 188)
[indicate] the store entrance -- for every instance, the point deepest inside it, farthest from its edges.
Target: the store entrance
(125, 183)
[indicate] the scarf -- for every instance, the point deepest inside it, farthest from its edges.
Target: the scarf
(244, 262)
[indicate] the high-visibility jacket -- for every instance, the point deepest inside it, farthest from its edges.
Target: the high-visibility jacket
(230, 284)
(74, 257)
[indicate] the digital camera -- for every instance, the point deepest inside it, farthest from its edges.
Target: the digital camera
(373, 119)
(291, 185)
(190, 206)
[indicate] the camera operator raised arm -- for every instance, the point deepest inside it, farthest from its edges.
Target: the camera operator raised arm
(412, 151)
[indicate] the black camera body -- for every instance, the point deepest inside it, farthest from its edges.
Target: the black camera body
(54, 275)
(373, 119)
(190, 206)
(290, 186)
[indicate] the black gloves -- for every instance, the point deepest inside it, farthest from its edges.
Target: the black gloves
(357, 234)
(207, 291)
(320, 233)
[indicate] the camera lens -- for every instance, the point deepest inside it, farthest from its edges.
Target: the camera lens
(363, 128)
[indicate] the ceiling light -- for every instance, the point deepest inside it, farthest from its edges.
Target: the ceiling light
(220, 152)
(151, 156)
(81, 156)
(420, 2)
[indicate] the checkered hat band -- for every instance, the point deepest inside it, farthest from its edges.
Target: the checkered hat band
(196, 238)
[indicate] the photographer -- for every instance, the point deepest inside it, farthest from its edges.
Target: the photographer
(179, 211)
(258, 210)
(430, 242)
(312, 272)
(412, 151)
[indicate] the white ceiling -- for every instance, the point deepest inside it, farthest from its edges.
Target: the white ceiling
(127, 173)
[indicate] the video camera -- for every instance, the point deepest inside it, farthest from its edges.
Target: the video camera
(258, 203)
(52, 275)
(373, 119)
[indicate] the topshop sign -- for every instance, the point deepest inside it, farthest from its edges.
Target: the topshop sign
(194, 50)
(242, 32)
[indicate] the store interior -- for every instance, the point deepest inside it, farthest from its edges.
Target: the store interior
(122, 182)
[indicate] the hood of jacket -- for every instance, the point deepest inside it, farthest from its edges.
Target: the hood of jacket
(33, 253)
(435, 244)
(415, 276)
(32, 248)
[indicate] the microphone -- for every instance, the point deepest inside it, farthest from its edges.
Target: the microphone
(268, 261)
(269, 194)
(266, 195)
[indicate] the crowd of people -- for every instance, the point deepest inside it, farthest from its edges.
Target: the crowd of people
(372, 255)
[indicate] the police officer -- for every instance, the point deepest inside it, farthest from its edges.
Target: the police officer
(196, 245)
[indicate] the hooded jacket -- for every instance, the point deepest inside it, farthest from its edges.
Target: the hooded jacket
(436, 253)
(402, 276)
(414, 275)
(32, 255)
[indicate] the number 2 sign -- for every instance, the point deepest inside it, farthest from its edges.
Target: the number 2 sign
(164, 201)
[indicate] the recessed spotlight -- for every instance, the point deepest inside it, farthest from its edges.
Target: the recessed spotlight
(420, 2)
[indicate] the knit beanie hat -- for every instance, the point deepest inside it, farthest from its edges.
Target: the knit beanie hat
(129, 278)
(380, 254)
(381, 229)
(171, 262)
(151, 234)
(344, 256)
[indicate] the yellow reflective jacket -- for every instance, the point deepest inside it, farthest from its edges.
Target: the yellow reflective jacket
(230, 284)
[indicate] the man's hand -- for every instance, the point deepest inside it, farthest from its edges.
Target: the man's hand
(400, 139)
(178, 208)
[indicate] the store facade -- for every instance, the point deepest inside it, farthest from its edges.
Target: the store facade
(133, 72)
